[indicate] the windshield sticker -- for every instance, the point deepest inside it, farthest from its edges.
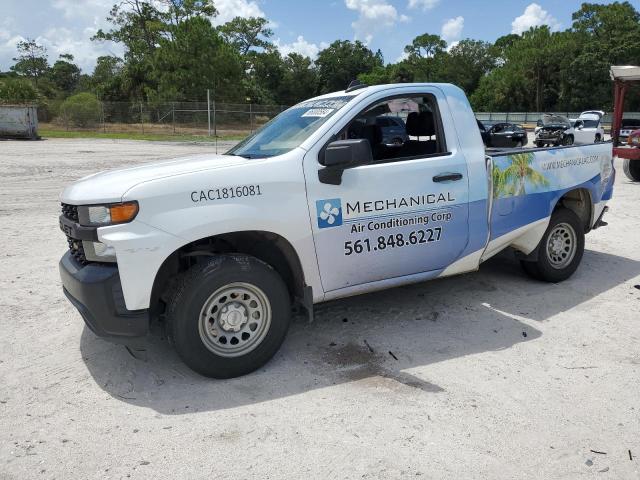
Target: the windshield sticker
(318, 112)
(334, 103)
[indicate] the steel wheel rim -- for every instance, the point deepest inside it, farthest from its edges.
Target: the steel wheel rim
(235, 319)
(562, 245)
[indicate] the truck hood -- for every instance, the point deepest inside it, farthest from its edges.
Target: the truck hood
(110, 186)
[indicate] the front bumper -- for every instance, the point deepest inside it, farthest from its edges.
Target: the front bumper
(95, 290)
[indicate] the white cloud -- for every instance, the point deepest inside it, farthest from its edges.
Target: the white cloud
(85, 52)
(373, 16)
(452, 29)
(534, 15)
(423, 4)
(229, 9)
(302, 47)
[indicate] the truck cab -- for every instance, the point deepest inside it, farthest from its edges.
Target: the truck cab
(318, 205)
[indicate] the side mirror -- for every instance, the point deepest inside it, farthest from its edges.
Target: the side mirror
(341, 155)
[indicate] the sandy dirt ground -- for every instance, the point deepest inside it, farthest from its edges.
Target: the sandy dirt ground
(482, 376)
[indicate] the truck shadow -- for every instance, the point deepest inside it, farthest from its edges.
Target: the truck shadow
(375, 339)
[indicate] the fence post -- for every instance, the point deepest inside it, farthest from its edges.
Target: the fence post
(208, 113)
(141, 119)
(251, 116)
(215, 123)
(173, 116)
(104, 121)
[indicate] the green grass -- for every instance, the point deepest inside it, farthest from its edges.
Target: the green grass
(44, 133)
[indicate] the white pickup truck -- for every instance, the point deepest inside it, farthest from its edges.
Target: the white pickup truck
(316, 206)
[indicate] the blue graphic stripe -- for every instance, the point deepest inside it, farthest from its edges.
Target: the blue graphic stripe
(511, 213)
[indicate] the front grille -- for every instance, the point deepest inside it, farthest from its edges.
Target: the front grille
(75, 246)
(70, 211)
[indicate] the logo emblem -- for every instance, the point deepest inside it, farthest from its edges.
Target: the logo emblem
(329, 213)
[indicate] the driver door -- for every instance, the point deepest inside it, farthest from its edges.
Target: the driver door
(404, 213)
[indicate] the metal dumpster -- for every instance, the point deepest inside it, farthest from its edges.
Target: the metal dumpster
(18, 121)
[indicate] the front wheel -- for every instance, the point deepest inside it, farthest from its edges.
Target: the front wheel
(228, 315)
(568, 140)
(632, 169)
(560, 250)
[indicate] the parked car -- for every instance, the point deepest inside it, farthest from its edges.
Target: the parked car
(588, 128)
(627, 127)
(394, 131)
(503, 135)
(554, 130)
(217, 249)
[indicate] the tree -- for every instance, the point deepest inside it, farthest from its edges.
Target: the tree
(107, 78)
(246, 34)
(402, 72)
(17, 90)
(607, 35)
(194, 60)
(466, 64)
(65, 74)
(82, 110)
(31, 60)
(299, 80)
(425, 46)
(343, 61)
(425, 53)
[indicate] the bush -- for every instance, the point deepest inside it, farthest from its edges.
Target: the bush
(17, 90)
(81, 110)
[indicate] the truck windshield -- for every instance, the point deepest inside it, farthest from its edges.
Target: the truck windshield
(289, 129)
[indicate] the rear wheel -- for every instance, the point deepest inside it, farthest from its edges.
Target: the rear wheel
(560, 250)
(519, 144)
(598, 138)
(632, 169)
(228, 315)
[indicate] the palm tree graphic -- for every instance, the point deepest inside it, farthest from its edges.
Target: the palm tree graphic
(512, 180)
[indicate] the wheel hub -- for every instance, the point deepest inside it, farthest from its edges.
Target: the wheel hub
(233, 317)
(557, 244)
(561, 246)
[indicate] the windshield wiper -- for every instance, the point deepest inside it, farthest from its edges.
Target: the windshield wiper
(251, 156)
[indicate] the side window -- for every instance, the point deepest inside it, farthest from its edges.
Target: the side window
(399, 128)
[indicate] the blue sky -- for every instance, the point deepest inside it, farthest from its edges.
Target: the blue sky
(304, 26)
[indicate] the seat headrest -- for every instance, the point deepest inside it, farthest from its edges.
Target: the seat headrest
(373, 133)
(421, 124)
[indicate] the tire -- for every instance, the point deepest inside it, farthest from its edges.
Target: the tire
(519, 144)
(598, 138)
(632, 169)
(560, 250)
(568, 140)
(258, 313)
(539, 144)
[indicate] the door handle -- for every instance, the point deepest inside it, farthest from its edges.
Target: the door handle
(448, 177)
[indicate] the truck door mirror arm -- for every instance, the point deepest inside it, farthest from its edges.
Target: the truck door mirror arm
(341, 155)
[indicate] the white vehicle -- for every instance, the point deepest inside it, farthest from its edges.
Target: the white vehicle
(218, 248)
(557, 130)
(588, 128)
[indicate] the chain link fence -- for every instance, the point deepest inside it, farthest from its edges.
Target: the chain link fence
(168, 118)
(202, 118)
(529, 119)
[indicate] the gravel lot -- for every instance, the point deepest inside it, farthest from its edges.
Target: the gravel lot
(486, 375)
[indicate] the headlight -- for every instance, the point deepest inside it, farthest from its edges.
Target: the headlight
(98, 252)
(635, 140)
(112, 214)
